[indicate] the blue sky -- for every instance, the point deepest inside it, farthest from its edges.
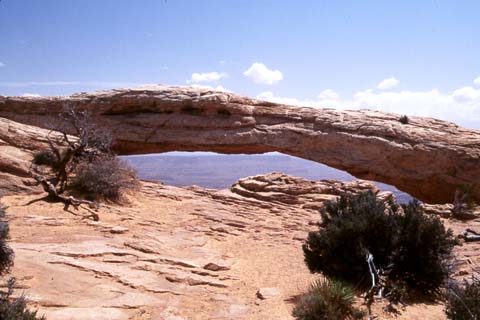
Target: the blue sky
(314, 53)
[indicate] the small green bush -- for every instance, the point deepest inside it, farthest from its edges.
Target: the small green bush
(45, 158)
(6, 253)
(421, 251)
(326, 300)
(463, 301)
(411, 248)
(104, 178)
(349, 226)
(404, 119)
(15, 308)
(10, 308)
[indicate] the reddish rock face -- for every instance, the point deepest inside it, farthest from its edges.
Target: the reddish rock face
(427, 158)
(17, 143)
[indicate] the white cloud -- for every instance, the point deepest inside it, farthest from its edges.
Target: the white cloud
(269, 96)
(206, 77)
(388, 83)
(260, 74)
(2, 64)
(460, 106)
(328, 94)
(466, 94)
(420, 103)
(222, 62)
(216, 88)
(31, 95)
(221, 88)
(477, 81)
(165, 67)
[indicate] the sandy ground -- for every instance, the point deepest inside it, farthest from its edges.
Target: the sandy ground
(174, 253)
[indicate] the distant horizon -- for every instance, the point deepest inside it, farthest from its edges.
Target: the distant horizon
(212, 170)
(205, 153)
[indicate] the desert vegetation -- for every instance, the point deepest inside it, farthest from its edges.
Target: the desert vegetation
(6, 253)
(463, 202)
(382, 249)
(10, 308)
(463, 299)
(83, 163)
(327, 299)
(404, 119)
(104, 177)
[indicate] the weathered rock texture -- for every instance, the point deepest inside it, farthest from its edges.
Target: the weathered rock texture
(427, 158)
(184, 253)
(278, 187)
(18, 142)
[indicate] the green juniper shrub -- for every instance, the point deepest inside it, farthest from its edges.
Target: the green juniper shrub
(404, 119)
(10, 308)
(422, 250)
(411, 248)
(15, 308)
(327, 299)
(46, 158)
(463, 300)
(6, 253)
(348, 227)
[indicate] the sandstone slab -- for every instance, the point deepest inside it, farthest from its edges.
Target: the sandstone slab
(73, 269)
(267, 293)
(427, 158)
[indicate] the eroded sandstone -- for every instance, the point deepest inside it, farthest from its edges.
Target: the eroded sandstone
(189, 253)
(427, 158)
(18, 142)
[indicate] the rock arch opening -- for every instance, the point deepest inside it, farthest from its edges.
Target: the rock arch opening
(428, 158)
(220, 171)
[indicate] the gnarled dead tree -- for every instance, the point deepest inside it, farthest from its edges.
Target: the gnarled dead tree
(464, 204)
(66, 152)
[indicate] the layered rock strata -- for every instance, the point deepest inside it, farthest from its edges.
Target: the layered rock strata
(425, 157)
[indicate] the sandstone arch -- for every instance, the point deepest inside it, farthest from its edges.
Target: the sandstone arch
(427, 158)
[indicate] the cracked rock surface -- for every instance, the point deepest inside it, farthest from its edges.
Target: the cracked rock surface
(182, 253)
(426, 158)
